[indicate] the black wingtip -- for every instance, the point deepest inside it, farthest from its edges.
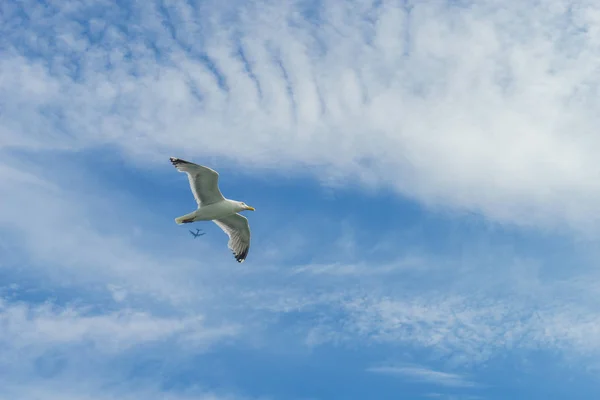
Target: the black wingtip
(176, 161)
(242, 256)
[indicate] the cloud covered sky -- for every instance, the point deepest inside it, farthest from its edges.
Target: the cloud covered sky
(425, 176)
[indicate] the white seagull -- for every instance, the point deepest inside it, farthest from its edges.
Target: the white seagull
(212, 206)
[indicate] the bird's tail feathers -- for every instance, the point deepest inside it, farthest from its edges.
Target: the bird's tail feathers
(185, 219)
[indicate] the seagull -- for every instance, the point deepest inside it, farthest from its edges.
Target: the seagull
(212, 206)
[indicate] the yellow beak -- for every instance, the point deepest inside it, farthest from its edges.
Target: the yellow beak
(250, 208)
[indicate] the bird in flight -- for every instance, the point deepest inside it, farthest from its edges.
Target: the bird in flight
(197, 233)
(212, 206)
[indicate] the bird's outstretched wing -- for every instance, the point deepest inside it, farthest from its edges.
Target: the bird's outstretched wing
(237, 228)
(204, 182)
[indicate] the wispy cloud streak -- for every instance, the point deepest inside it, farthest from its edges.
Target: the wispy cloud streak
(426, 375)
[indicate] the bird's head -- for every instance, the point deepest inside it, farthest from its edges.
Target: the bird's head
(244, 207)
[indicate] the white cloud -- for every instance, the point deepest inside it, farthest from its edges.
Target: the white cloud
(35, 389)
(426, 375)
(43, 326)
(69, 352)
(486, 106)
(470, 329)
(63, 233)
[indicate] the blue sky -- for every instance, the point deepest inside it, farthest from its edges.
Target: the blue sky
(425, 179)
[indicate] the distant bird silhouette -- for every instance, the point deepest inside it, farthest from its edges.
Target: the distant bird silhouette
(197, 233)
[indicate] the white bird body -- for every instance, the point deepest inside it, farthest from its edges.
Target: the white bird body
(212, 206)
(212, 211)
